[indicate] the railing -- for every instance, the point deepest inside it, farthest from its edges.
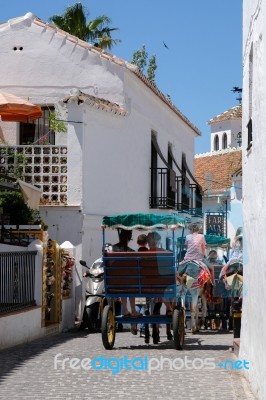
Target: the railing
(161, 194)
(19, 236)
(182, 196)
(17, 280)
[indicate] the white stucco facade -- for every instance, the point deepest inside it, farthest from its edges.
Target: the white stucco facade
(109, 151)
(108, 154)
(226, 130)
(220, 194)
(252, 345)
(230, 129)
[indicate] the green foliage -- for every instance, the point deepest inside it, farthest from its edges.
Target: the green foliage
(139, 58)
(19, 163)
(56, 124)
(152, 68)
(13, 204)
(97, 31)
(16, 161)
(148, 67)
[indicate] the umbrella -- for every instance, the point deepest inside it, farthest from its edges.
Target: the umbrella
(13, 108)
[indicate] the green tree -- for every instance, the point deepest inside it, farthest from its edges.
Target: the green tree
(148, 67)
(152, 68)
(139, 59)
(97, 31)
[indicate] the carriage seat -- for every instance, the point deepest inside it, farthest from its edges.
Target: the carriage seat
(147, 273)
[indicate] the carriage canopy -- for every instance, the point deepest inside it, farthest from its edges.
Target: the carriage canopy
(211, 240)
(143, 221)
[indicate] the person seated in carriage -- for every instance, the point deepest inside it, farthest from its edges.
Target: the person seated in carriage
(235, 264)
(154, 243)
(125, 236)
(142, 242)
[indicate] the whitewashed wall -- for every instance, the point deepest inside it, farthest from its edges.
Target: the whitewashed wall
(252, 346)
(108, 156)
(231, 128)
(48, 67)
(20, 327)
(26, 325)
(114, 153)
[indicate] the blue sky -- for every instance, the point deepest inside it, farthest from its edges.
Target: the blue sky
(204, 57)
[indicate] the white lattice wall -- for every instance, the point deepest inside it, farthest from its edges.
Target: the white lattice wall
(43, 166)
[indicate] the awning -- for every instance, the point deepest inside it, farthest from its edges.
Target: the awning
(31, 194)
(211, 240)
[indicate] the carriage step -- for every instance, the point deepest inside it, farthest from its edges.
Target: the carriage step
(147, 319)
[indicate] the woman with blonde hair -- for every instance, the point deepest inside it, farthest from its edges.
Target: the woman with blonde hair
(195, 244)
(192, 267)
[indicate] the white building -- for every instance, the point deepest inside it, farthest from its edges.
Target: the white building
(252, 344)
(226, 129)
(219, 172)
(128, 148)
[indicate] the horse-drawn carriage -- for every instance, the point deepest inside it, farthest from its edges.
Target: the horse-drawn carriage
(149, 274)
(152, 274)
(219, 295)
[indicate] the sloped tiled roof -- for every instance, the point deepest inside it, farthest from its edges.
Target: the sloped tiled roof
(97, 102)
(214, 170)
(108, 56)
(233, 113)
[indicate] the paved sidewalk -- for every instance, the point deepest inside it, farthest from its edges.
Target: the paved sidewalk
(28, 371)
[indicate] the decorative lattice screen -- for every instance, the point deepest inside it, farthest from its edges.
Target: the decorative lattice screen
(43, 166)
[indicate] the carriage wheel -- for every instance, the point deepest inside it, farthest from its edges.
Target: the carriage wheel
(108, 327)
(179, 328)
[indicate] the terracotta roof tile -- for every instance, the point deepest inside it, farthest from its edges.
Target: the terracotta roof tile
(214, 171)
(233, 113)
(98, 102)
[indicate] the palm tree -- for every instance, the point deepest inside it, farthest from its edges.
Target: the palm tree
(97, 31)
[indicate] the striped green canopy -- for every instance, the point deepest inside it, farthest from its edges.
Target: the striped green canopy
(211, 240)
(143, 221)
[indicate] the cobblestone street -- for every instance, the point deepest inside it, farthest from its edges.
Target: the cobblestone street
(28, 371)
